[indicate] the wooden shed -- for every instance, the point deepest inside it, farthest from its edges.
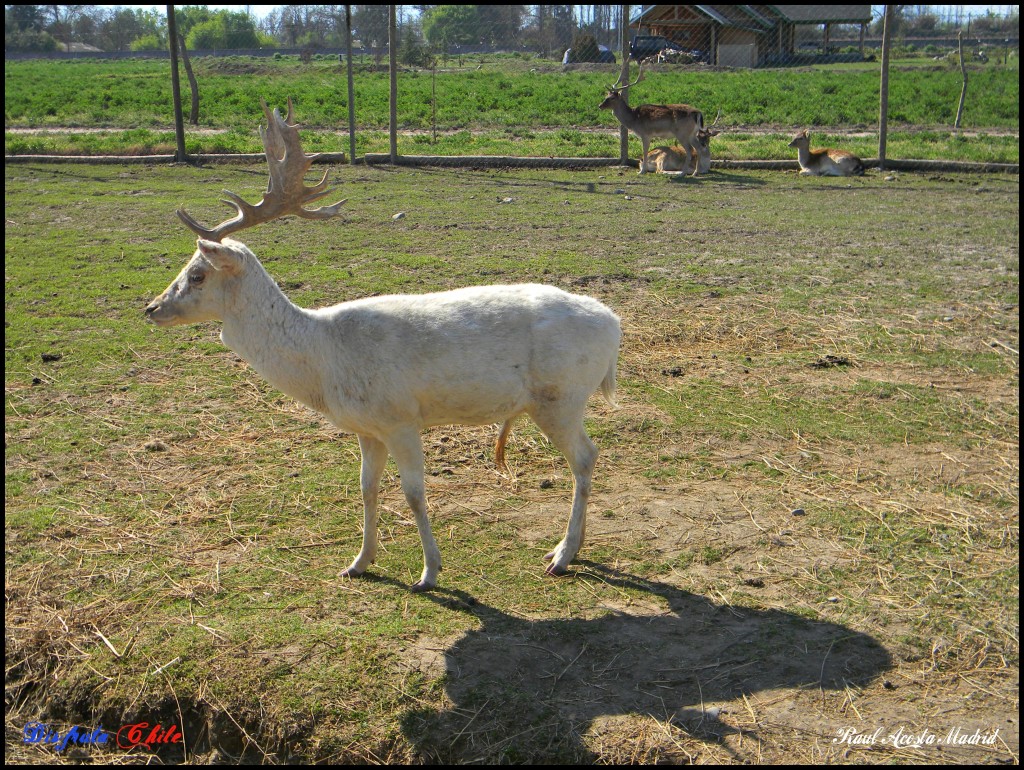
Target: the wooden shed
(747, 35)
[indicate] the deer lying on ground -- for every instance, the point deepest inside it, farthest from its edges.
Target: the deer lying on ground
(647, 121)
(665, 160)
(387, 367)
(672, 160)
(824, 162)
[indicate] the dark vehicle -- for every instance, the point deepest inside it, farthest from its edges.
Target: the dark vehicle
(604, 56)
(651, 45)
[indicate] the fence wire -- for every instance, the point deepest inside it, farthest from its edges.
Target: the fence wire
(522, 85)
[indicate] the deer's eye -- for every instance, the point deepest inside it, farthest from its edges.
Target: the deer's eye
(196, 277)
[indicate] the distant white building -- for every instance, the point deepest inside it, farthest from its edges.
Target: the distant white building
(80, 48)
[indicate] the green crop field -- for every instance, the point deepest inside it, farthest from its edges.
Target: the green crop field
(805, 516)
(507, 105)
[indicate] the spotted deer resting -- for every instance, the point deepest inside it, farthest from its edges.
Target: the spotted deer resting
(673, 161)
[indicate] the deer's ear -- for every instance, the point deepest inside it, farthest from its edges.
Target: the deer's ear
(221, 256)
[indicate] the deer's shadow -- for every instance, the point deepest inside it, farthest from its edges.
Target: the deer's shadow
(525, 691)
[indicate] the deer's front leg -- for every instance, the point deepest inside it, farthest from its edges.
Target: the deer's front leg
(374, 458)
(643, 154)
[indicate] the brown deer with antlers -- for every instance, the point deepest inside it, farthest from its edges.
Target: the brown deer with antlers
(387, 367)
(648, 121)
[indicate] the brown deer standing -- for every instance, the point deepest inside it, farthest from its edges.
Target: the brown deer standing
(647, 121)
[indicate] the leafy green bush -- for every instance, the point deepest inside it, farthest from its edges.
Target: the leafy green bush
(584, 49)
(225, 30)
(30, 41)
(148, 43)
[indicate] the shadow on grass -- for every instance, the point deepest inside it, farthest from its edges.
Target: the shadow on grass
(599, 181)
(527, 691)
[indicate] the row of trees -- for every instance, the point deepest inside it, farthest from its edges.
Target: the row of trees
(947, 20)
(47, 28)
(544, 28)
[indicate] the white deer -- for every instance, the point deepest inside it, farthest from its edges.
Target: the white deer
(826, 161)
(387, 367)
(648, 121)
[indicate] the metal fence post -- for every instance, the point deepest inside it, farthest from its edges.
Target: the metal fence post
(393, 66)
(351, 87)
(179, 122)
(624, 78)
(883, 110)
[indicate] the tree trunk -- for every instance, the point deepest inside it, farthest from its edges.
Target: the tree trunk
(179, 128)
(883, 109)
(963, 73)
(193, 115)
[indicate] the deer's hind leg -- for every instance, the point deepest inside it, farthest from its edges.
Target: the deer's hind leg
(691, 150)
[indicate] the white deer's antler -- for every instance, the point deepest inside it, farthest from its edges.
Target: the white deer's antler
(286, 193)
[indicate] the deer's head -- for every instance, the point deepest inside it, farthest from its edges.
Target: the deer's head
(204, 287)
(801, 140)
(614, 94)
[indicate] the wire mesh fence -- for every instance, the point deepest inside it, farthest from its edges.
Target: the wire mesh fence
(524, 85)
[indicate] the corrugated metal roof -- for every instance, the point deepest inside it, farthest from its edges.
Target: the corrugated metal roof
(652, 13)
(761, 18)
(756, 18)
(735, 16)
(824, 14)
(712, 13)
